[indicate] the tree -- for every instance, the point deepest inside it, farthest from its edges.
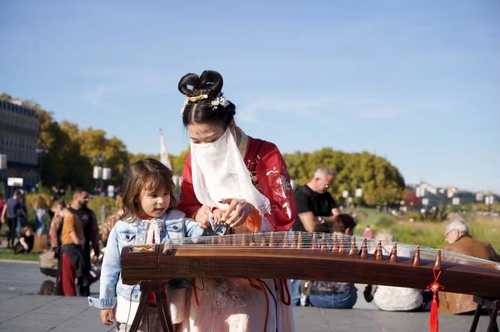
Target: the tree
(381, 183)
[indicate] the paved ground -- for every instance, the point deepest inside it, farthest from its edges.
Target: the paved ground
(32, 313)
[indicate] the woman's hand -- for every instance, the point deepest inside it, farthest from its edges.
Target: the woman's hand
(107, 316)
(237, 213)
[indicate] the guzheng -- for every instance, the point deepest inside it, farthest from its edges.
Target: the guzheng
(310, 256)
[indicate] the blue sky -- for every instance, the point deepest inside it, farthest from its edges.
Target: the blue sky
(416, 82)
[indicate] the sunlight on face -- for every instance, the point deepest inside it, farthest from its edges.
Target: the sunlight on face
(451, 236)
(204, 133)
(154, 203)
(325, 183)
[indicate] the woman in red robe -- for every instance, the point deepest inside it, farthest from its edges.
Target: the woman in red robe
(233, 181)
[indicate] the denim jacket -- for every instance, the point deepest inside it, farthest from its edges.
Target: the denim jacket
(173, 224)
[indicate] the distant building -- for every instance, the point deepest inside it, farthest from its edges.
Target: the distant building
(425, 195)
(430, 195)
(19, 132)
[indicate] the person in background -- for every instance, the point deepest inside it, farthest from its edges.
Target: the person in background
(10, 212)
(368, 233)
(90, 228)
(72, 261)
(316, 207)
(242, 184)
(2, 205)
(112, 220)
(25, 242)
(330, 294)
(58, 209)
(22, 215)
(343, 224)
(389, 298)
(316, 210)
(41, 215)
(148, 218)
(48, 287)
(459, 240)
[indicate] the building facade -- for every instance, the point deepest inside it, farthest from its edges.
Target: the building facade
(19, 132)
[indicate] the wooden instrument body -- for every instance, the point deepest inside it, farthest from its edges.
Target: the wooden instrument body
(279, 261)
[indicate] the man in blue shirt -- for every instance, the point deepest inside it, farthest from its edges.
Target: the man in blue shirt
(10, 213)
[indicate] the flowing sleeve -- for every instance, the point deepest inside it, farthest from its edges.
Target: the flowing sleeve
(274, 183)
(188, 203)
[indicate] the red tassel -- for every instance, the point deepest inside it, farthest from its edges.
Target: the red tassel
(434, 288)
(434, 322)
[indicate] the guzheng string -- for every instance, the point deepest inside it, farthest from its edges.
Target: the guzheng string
(314, 256)
(325, 242)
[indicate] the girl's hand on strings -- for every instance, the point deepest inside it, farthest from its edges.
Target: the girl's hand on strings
(237, 212)
(203, 215)
(217, 213)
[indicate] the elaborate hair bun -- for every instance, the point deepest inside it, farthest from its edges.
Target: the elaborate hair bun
(189, 84)
(210, 83)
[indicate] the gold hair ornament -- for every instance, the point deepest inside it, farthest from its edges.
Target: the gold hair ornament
(219, 100)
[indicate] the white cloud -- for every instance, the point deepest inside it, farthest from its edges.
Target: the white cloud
(359, 108)
(137, 80)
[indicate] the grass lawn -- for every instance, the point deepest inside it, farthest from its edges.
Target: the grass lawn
(8, 254)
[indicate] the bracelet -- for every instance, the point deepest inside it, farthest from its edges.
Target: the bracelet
(321, 220)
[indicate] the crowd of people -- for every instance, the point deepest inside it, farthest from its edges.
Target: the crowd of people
(232, 183)
(65, 234)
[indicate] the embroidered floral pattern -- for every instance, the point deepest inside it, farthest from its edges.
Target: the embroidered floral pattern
(223, 294)
(281, 187)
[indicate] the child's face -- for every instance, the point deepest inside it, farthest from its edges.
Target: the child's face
(154, 203)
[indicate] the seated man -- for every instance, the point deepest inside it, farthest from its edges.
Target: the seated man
(329, 294)
(458, 240)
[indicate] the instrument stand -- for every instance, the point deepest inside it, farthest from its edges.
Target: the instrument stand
(161, 300)
(493, 306)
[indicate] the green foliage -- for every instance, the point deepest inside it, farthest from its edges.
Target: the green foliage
(178, 162)
(70, 153)
(9, 255)
(102, 205)
(427, 233)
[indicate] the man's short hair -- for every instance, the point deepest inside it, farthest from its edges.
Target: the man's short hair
(322, 172)
(457, 223)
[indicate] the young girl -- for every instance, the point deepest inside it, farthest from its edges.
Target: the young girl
(148, 218)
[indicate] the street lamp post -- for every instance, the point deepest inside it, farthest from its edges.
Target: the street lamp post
(100, 175)
(359, 195)
(97, 174)
(345, 195)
